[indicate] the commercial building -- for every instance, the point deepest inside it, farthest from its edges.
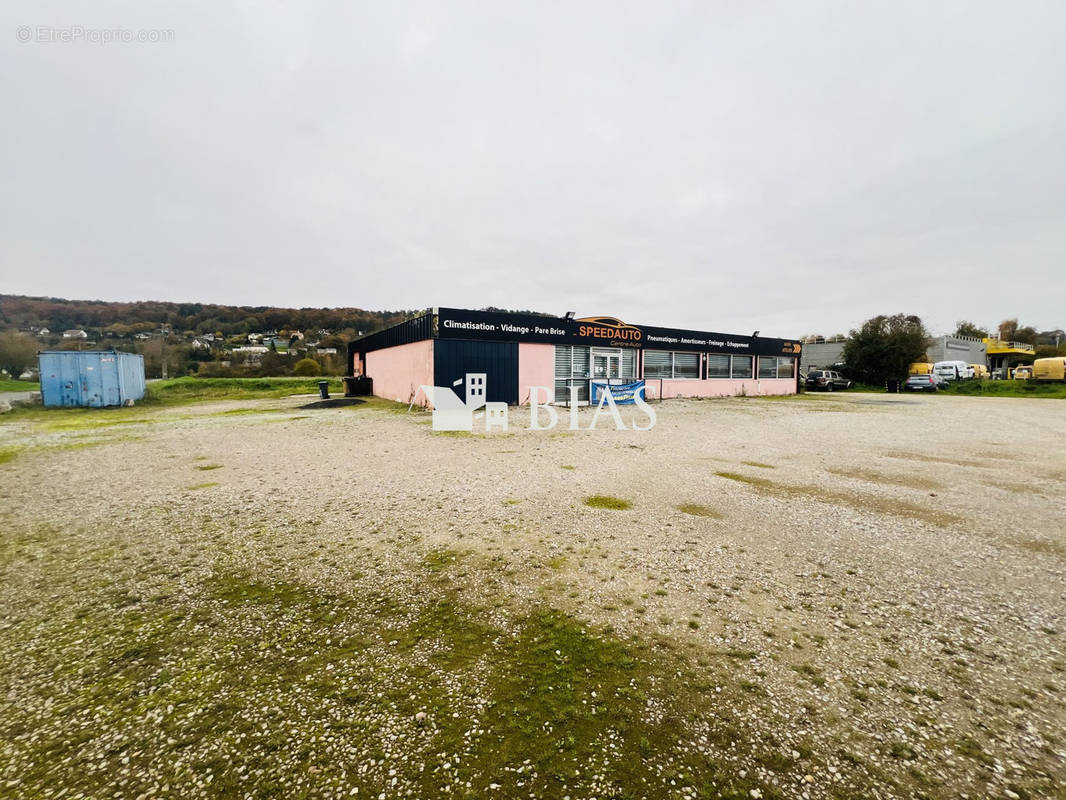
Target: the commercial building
(827, 352)
(94, 378)
(516, 352)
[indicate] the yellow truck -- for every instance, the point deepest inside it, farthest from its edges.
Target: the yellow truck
(979, 370)
(1050, 369)
(1022, 372)
(920, 368)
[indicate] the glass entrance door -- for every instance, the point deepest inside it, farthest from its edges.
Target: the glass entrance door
(605, 366)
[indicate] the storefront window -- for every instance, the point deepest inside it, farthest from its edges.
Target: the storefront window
(742, 367)
(717, 366)
(658, 364)
(667, 364)
(776, 367)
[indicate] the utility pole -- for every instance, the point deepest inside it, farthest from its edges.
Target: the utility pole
(163, 350)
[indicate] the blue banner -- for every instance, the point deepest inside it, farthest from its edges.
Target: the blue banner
(624, 394)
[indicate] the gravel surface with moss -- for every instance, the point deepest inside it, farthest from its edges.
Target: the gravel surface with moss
(812, 597)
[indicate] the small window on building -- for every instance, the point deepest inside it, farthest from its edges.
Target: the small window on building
(686, 365)
(717, 366)
(667, 364)
(775, 367)
(658, 364)
(742, 367)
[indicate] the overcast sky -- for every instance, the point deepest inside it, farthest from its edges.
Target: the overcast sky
(793, 167)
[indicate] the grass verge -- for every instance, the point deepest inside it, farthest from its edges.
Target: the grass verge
(188, 390)
(8, 385)
(1007, 389)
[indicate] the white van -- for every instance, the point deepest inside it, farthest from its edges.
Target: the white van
(953, 370)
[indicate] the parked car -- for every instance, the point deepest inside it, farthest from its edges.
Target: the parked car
(924, 383)
(1023, 372)
(979, 370)
(920, 368)
(1050, 369)
(826, 380)
(953, 370)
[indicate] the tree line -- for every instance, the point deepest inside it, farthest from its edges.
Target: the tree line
(123, 319)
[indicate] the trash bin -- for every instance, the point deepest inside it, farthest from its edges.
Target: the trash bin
(893, 387)
(323, 389)
(349, 387)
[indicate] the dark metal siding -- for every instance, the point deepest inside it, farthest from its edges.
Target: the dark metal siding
(413, 330)
(453, 358)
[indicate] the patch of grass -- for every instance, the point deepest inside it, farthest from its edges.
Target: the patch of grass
(8, 454)
(567, 466)
(230, 412)
(810, 672)
(208, 467)
(8, 385)
(860, 502)
(191, 390)
(606, 501)
(932, 459)
(969, 747)
(557, 562)
(902, 751)
(453, 434)
(440, 559)
(985, 388)
(196, 486)
(697, 510)
(892, 479)
(736, 476)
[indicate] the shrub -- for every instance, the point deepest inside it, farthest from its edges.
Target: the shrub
(307, 367)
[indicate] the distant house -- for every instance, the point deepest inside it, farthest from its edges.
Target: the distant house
(254, 352)
(326, 351)
(75, 333)
(142, 336)
(43, 332)
(201, 343)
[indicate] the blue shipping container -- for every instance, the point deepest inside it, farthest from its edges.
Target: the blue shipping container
(94, 378)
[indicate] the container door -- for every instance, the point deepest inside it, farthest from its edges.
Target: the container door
(110, 381)
(70, 381)
(92, 383)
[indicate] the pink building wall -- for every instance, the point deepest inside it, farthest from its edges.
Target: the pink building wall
(536, 367)
(719, 387)
(399, 371)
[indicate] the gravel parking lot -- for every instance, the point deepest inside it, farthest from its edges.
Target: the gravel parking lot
(854, 595)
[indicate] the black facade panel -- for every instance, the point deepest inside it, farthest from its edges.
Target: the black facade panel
(453, 358)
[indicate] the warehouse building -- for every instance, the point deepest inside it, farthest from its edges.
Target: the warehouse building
(518, 351)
